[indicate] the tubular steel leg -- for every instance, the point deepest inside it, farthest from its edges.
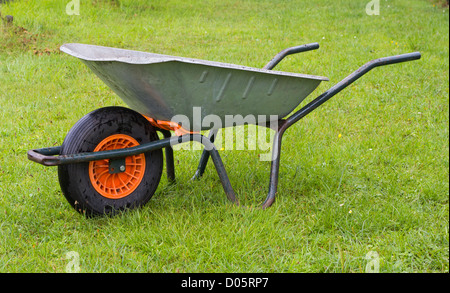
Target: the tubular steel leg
(205, 156)
(170, 165)
(274, 170)
(217, 163)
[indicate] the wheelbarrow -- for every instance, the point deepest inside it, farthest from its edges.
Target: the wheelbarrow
(112, 159)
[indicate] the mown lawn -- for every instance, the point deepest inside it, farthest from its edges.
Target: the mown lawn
(363, 179)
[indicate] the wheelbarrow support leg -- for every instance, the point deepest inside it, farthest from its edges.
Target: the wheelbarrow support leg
(274, 169)
(205, 156)
(170, 165)
(221, 172)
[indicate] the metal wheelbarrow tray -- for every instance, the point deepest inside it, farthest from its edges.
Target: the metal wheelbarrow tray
(111, 159)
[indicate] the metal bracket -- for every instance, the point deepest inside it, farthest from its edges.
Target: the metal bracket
(117, 165)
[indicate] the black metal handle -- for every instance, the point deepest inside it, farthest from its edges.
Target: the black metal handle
(396, 59)
(44, 156)
(289, 51)
(302, 48)
(346, 82)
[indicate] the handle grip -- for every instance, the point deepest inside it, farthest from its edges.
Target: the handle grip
(289, 51)
(302, 48)
(396, 59)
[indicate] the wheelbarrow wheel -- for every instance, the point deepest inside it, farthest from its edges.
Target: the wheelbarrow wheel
(94, 188)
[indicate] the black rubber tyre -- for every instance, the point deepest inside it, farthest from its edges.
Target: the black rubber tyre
(74, 179)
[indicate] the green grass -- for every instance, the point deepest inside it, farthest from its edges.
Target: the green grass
(366, 172)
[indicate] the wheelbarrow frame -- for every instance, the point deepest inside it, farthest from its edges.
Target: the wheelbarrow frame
(51, 156)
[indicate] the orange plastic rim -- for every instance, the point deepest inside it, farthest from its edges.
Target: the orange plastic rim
(117, 185)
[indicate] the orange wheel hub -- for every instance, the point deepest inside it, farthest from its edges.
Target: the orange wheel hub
(117, 185)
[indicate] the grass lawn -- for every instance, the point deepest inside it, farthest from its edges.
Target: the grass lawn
(363, 179)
